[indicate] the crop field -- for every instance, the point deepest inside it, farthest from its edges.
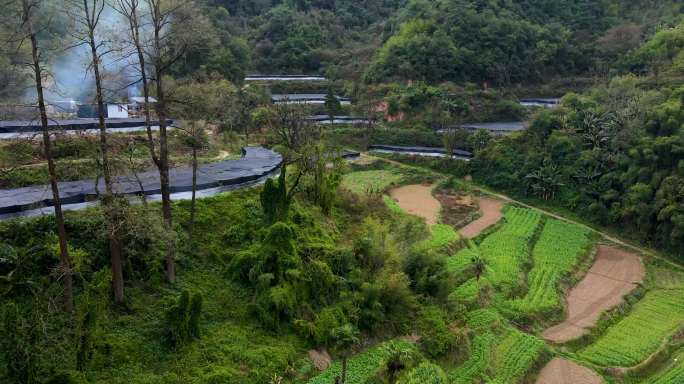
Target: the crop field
(506, 250)
(441, 236)
(672, 374)
(481, 318)
(638, 335)
(360, 367)
(555, 254)
(362, 182)
(496, 358)
(514, 356)
(480, 356)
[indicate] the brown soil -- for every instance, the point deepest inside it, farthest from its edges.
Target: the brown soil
(615, 273)
(491, 214)
(320, 359)
(561, 371)
(456, 209)
(418, 200)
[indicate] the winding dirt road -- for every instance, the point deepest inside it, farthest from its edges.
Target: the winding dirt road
(418, 200)
(615, 273)
(491, 214)
(561, 371)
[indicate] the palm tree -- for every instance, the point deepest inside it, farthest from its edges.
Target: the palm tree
(344, 340)
(478, 266)
(398, 358)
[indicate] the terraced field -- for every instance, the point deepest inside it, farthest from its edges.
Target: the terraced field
(555, 254)
(500, 359)
(506, 250)
(672, 374)
(638, 335)
(361, 367)
(362, 182)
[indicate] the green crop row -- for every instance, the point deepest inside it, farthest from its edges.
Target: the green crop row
(481, 318)
(515, 355)
(499, 359)
(480, 357)
(506, 250)
(360, 367)
(673, 374)
(638, 335)
(442, 235)
(556, 253)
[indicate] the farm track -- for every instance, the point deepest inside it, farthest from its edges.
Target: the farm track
(561, 371)
(614, 274)
(418, 200)
(491, 214)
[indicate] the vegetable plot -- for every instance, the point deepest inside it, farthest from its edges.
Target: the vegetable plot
(360, 367)
(505, 250)
(556, 254)
(638, 335)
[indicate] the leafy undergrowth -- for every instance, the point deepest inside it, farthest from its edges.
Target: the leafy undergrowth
(362, 366)
(232, 348)
(555, 254)
(638, 335)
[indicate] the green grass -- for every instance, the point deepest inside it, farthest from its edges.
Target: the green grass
(360, 367)
(361, 182)
(392, 205)
(555, 254)
(505, 250)
(638, 335)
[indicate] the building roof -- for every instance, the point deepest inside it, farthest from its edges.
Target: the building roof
(303, 97)
(141, 100)
(257, 77)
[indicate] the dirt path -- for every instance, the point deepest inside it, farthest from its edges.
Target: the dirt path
(561, 371)
(491, 214)
(418, 200)
(614, 274)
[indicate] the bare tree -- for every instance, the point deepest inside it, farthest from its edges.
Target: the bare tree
(28, 31)
(87, 14)
(195, 137)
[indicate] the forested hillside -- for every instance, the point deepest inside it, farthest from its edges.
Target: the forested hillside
(456, 192)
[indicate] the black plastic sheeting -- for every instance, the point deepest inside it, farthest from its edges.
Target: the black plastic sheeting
(394, 148)
(16, 126)
(255, 164)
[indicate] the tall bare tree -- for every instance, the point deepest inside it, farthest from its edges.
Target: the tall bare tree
(29, 31)
(87, 15)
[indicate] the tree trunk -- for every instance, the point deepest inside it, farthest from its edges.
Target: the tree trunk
(194, 193)
(111, 215)
(344, 369)
(65, 262)
(158, 24)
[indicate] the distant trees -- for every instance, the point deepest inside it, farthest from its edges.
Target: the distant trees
(612, 156)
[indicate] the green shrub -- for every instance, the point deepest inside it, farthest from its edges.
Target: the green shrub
(436, 339)
(182, 319)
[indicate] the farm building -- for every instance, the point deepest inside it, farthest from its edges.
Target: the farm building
(136, 105)
(112, 111)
